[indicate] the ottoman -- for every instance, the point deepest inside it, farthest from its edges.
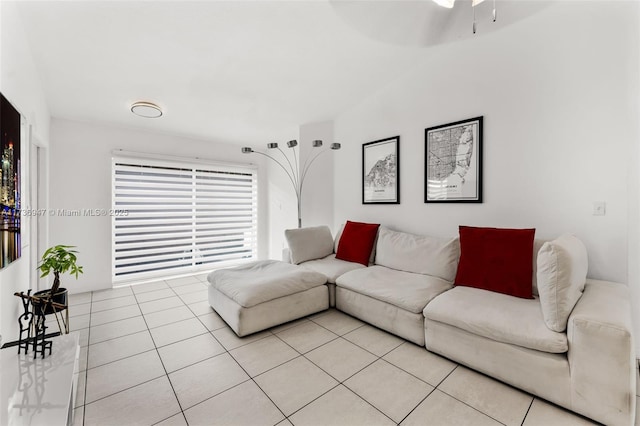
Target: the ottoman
(262, 294)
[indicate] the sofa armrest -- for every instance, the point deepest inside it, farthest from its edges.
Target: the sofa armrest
(286, 255)
(602, 354)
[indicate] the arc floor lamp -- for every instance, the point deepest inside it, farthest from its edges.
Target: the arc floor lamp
(295, 173)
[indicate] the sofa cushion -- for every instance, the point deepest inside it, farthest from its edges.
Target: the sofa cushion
(262, 281)
(496, 259)
(331, 267)
(336, 242)
(561, 275)
(404, 290)
(357, 242)
(417, 253)
(309, 243)
(496, 316)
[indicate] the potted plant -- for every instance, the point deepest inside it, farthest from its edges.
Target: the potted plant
(57, 259)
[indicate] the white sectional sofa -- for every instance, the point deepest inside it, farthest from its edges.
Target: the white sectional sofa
(573, 346)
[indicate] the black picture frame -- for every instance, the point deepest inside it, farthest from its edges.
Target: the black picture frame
(381, 171)
(10, 196)
(453, 162)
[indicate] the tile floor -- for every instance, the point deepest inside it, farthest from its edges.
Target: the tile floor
(157, 354)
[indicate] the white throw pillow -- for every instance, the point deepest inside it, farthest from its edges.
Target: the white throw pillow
(418, 254)
(562, 272)
(309, 243)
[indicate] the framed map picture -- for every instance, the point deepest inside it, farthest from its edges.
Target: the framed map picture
(453, 162)
(381, 171)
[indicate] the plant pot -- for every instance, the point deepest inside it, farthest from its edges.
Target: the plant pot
(59, 297)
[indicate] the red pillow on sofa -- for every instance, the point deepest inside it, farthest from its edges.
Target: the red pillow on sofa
(497, 260)
(357, 242)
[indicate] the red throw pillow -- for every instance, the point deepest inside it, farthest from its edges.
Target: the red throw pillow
(494, 259)
(357, 242)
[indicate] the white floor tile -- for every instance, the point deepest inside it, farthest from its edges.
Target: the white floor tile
(177, 331)
(157, 319)
(117, 302)
(286, 325)
(190, 288)
(143, 288)
(201, 308)
(338, 322)
(111, 315)
(341, 358)
(154, 295)
(230, 340)
(443, 410)
(160, 305)
(231, 408)
(502, 402)
(212, 321)
(421, 363)
(119, 348)
(79, 322)
(144, 404)
(306, 336)
(115, 329)
(262, 355)
(195, 297)
(78, 310)
(205, 379)
(340, 406)
(79, 298)
(374, 340)
(293, 385)
(117, 376)
(389, 389)
(543, 413)
(111, 293)
(285, 422)
(176, 420)
(177, 282)
(190, 351)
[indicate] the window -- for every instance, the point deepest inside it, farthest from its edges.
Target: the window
(171, 218)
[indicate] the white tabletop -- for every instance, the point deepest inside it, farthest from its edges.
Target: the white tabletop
(38, 391)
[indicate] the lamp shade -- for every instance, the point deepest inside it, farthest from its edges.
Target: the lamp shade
(272, 145)
(292, 143)
(247, 150)
(317, 143)
(336, 145)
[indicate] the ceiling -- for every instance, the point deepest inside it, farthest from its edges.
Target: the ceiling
(243, 72)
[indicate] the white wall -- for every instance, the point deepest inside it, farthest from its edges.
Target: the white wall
(80, 178)
(20, 84)
(558, 93)
(317, 196)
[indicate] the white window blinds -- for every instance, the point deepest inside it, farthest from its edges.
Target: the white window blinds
(171, 218)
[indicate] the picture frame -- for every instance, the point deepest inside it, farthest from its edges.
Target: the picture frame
(11, 182)
(381, 171)
(453, 162)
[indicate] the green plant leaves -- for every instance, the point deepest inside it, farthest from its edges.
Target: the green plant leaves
(59, 259)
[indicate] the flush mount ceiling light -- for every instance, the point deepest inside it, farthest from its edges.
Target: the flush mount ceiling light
(449, 4)
(146, 109)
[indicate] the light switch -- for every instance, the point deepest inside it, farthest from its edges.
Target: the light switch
(599, 208)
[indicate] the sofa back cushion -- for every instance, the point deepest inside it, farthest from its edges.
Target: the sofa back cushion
(417, 253)
(496, 259)
(356, 242)
(309, 243)
(561, 275)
